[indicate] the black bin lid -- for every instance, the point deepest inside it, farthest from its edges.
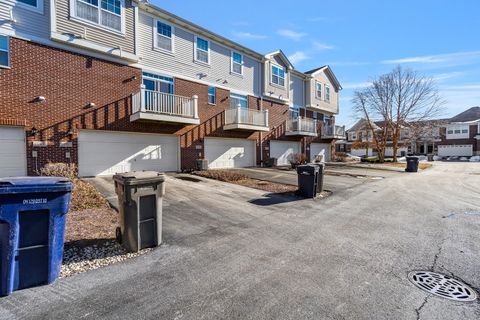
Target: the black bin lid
(34, 185)
(139, 177)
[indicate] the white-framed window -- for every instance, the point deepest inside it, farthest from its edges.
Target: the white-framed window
(202, 50)
(327, 92)
(212, 95)
(237, 63)
(108, 14)
(326, 120)
(278, 75)
(237, 100)
(315, 115)
(163, 36)
(4, 51)
(294, 111)
(318, 90)
(34, 5)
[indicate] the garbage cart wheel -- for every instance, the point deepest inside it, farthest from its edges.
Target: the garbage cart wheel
(118, 235)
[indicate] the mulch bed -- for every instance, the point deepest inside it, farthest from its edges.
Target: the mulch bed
(91, 224)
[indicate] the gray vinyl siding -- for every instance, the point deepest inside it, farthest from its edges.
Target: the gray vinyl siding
(297, 91)
(28, 22)
(97, 35)
(274, 89)
(181, 62)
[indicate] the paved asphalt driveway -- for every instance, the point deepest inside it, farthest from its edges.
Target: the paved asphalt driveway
(344, 257)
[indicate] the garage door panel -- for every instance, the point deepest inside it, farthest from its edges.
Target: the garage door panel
(13, 160)
(107, 153)
(283, 151)
(229, 153)
(455, 150)
(320, 149)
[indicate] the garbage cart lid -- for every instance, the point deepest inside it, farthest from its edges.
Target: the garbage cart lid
(139, 177)
(34, 184)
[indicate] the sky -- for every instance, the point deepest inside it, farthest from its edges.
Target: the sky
(359, 40)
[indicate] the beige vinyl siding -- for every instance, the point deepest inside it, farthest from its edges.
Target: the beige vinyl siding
(274, 90)
(28, 22)
(297, 91)
(320, 104)
(181, 62)
(96, 34)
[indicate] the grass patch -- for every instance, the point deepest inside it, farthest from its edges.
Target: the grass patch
(84, 195)
(241, 179)
(421, 165)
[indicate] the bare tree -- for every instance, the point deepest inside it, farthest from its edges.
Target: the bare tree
(398, 98)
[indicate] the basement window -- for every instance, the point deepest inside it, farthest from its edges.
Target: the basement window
(4, 51)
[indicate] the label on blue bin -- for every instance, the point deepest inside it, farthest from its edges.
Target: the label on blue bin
(35, 201)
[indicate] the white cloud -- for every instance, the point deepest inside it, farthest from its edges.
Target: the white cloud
(297, 57)
(448, 59)
(320, 46)
(248, 35)
(291, 34)
(355, 85)
(445, 76)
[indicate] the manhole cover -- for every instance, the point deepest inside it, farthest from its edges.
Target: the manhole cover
(442, 286)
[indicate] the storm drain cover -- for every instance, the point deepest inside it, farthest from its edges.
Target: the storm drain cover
(442, 286)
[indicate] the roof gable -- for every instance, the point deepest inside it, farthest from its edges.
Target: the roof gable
(282, 56)
(329, 74)
(471, 114)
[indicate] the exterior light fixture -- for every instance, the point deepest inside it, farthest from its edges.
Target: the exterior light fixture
(33, 132)
(70, 132)
(91, 105)
(40, 99)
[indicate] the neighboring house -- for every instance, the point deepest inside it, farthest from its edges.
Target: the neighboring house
(461, 135)
(123, 85)
(458, 136)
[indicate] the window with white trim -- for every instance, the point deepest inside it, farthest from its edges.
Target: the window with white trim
(36, 5)
(278, 75)
(212, 95)
(315, 115)
(164, 36)
(237, 100)
(326, 120)
(202, 50)
(106, 13)
(237, 63)
(4, 51)
(294, 111)
(318, 90)
(327, 92)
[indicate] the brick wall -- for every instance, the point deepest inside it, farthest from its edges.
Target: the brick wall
(70, 82)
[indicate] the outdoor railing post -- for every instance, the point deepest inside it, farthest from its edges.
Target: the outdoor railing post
(266, 118)
(195, 106)
(142, 98)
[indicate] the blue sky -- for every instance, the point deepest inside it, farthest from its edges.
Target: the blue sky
(358, 39)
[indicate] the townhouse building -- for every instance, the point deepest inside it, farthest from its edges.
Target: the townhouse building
(458, 136)
(120, 85)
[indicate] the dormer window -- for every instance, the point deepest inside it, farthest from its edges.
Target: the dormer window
(318, 90)
(278, 75)
(327, 93)
(106, 13)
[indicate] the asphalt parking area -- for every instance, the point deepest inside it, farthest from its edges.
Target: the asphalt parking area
(344, 257)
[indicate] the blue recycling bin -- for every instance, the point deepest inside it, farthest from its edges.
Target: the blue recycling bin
(33, 213)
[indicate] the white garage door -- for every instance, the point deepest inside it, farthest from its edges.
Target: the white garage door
(107, 153)
(229, 153)
(13, 160)
(283, 151)
(320, 149)
(460, 150)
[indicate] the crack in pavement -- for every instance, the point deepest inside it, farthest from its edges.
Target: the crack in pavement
(419, 309)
